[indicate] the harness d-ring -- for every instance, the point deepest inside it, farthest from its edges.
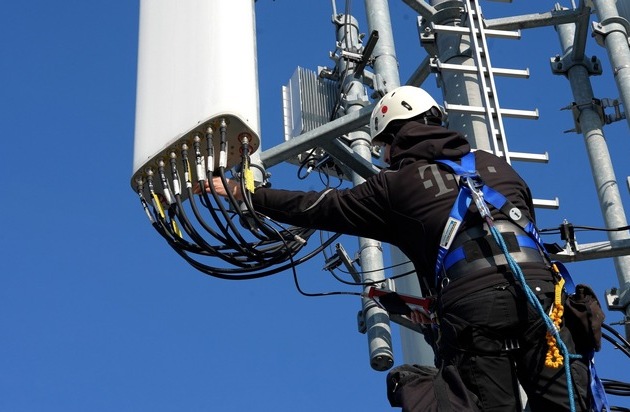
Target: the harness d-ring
(444, 282)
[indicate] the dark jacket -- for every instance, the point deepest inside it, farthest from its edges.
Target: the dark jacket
(405, 205)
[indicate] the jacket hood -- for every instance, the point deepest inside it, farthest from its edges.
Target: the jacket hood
(416, 140)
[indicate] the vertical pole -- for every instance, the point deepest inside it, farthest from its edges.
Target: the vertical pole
(613, 29)
(601, 164)
(414, 347)
(354, 98)
(457, 87)
(385, 61)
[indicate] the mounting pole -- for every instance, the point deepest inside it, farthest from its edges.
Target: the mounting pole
(414, 347)
(353, 99)
(460, 88)
(589, 121)
(613, 32)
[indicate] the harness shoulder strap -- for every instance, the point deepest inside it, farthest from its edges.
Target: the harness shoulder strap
(458, 211)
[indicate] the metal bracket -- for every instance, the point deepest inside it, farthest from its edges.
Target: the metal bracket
(576, 109)
(426, 36)
(615, 104)
(379, 86)
(567, 233)
(561, 65)
(609, 25)
(446, 12)
(354, 57)
(366, 55)
(612, 300)
(348, 263)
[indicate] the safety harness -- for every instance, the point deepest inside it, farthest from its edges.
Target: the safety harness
(473, 189)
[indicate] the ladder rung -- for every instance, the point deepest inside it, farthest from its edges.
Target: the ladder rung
(504, 34)
(523, 157)
(547, 204)
(518, 73)
(520, 114)
(530, 157)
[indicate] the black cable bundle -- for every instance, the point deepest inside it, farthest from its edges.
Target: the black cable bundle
(221, 237)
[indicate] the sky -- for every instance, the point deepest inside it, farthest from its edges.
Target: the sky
(98, 313)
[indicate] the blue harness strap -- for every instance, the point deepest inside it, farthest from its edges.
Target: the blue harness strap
(471, 189)
(457, 254)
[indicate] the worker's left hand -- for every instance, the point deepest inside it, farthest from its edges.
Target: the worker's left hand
(419, 317)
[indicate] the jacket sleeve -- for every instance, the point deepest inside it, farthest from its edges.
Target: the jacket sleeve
(359, 211)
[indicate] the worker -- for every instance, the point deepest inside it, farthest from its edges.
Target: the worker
(487, 329)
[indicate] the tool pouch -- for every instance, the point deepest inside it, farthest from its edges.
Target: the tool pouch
(416, 388)
(583, 316)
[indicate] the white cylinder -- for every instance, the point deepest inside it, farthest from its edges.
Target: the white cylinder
(196, 66)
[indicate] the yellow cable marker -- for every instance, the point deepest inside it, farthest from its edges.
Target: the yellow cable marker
(158, 204)
(176, 228)
(248, 176)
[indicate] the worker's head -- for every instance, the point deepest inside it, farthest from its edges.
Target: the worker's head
(399, 105)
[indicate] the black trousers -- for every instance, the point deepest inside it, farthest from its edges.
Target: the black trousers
(496, 340)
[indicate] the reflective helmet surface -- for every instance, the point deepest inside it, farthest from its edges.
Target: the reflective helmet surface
(401, 103)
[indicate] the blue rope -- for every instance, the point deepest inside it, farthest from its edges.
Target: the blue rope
(531, 297)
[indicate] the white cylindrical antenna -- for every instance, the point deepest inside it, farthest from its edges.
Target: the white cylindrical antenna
(195, 66)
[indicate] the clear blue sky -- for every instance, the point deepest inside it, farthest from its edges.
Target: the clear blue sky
(97, 313)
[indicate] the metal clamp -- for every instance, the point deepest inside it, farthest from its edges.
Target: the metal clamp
(610, 25)
(562, 64)
(576, 109)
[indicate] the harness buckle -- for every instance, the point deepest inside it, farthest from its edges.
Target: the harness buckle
(474, 184)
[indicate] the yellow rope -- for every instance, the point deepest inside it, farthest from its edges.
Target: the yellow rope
(554, 359)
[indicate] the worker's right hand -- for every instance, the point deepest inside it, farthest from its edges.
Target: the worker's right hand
(220, 189)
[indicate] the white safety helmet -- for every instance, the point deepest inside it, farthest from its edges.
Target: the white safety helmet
(402, 103)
